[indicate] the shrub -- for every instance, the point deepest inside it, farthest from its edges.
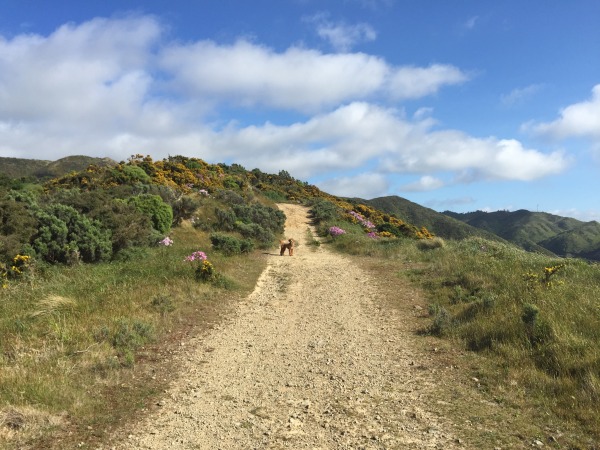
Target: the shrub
(323, 211)
(230, 245)
(129, 227)
(184, 208)
(226, 219)
(64, 233)
(254, 231)
(268, 218)
(159, 212)
(16, 227)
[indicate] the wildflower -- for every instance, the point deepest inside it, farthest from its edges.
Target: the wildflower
(336, 231)
(372, 235)
(166, 242)
(196, 256)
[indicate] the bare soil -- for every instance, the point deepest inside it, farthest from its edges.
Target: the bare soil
(317, 358)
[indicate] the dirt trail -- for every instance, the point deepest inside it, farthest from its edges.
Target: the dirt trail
(306, 361)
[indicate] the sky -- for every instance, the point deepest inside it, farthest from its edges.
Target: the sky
(457, 105)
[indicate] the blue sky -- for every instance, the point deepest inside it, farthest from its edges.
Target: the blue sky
(458, 105)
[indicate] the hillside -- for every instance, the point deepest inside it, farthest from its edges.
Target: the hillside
(19, 167)
(440, 224)
(539, 231)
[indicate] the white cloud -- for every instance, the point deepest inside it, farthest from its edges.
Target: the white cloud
(577, 120)
(425, 183)
(415, 82)
(520, 95)
(114, 88)
(365, 185)
(250, 74)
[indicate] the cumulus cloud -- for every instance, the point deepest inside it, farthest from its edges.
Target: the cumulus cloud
(361, 133)
(577, 120)
(298, 78)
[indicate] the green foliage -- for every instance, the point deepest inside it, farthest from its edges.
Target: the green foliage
(159, 212)
(130, 174)
(184, 208)
(64, 235)
(230, 245)
(324, 211)
(17, 225)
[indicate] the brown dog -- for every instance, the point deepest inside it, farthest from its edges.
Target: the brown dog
(289, 245)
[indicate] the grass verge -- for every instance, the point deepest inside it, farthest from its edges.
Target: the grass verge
(529, 326)
(83, 348)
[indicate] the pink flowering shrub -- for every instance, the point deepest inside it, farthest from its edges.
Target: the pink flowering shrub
(362, 220)
(196, 256)
(336, 231)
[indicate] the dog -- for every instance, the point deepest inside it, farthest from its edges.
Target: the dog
(289, 245)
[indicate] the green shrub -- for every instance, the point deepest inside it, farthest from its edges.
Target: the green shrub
(17, 225)
(323, 211)
(159, 212)
(268, 218)
(63, 234)
(230, 245)
(226, 219)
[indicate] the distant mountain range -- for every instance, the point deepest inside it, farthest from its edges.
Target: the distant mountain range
(533, 231)
(37, 168)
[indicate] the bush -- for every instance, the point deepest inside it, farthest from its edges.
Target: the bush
(184, 208)
(16, 227)
(64, 234)
(230, 245)
(159, 212)
(324, 211)
(254, 231)
(268, 218)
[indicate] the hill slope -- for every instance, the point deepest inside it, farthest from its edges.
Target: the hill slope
(539, 231)
(440, 224)
(19, 167)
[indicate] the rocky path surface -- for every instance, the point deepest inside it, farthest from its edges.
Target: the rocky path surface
(307, 361)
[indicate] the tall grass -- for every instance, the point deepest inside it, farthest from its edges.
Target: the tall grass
(536, 319)
(70, 336)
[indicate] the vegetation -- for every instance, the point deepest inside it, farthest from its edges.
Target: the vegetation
(540, 232)
(535, 319)
(104, 267)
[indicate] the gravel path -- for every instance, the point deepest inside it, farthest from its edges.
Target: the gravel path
(306, 361)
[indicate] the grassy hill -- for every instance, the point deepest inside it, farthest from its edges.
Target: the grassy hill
(440, 224)
(19, 167)
(539, 231)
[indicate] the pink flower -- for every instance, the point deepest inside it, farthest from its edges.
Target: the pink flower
(196, 256)
(166, 242)
(336, 231)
